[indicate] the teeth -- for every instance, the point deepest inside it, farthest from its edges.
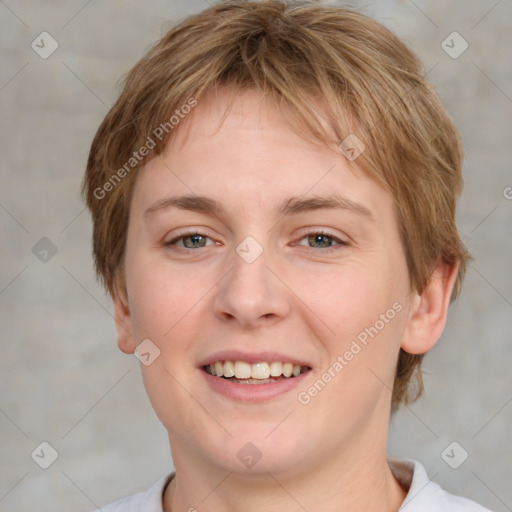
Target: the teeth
(276, 368)
(219, 369)
(242, 370)
(258, 371)
(256, 381)
(229, 369)
(287, 369)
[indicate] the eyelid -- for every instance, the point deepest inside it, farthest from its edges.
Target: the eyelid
(188, 232)
(306, 232)
(323, 231)
(339, 242)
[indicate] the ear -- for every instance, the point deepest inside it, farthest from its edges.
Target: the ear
(429, 310)
(123, 323)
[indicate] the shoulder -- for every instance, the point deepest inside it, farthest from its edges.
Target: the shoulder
(148, 501)
(425, 495)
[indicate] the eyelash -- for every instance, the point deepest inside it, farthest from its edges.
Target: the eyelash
(335, 239)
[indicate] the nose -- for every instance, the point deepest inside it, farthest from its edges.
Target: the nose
(252, 294)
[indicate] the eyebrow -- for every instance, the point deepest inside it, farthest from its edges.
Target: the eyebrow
(292, 206)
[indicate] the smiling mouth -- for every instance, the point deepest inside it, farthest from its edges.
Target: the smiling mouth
(241, 372)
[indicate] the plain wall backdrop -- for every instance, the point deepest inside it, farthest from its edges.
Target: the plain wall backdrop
(63, 379)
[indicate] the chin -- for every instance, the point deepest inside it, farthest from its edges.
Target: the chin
(252, 453)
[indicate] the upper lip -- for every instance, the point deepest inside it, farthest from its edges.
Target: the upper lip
(252, 358)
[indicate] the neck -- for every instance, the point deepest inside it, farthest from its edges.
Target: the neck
(357, 481)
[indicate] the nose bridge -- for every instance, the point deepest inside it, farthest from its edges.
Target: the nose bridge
(250, 292)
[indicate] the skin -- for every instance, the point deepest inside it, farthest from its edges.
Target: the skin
(306, 297)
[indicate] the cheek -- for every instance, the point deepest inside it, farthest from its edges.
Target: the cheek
(359, 316)
(167, 307)
(365, 314)
(162, 298)
(347, 298)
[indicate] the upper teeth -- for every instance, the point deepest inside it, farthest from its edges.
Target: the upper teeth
(243, 370)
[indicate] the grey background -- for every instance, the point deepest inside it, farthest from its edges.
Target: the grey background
(64, 380)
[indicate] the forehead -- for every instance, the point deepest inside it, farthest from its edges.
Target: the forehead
(242, 151)
(246, 115)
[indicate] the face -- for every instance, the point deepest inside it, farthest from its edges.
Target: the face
(256, 252)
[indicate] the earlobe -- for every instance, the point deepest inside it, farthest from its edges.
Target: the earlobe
(429, 310)
(123, 324)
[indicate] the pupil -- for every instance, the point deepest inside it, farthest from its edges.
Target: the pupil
(194, 241)
(320, 240)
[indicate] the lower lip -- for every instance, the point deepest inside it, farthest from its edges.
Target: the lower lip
(252, 392)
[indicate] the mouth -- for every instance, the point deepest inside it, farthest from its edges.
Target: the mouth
(243, 372)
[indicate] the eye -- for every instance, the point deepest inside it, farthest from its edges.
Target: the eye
(314, 240)
(321, 240)
(190, 241)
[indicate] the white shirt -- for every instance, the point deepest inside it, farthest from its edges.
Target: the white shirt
(424, 495)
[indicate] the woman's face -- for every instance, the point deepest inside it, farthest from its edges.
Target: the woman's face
(253, 251)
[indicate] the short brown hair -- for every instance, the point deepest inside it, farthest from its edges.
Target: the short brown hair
(363, 80)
